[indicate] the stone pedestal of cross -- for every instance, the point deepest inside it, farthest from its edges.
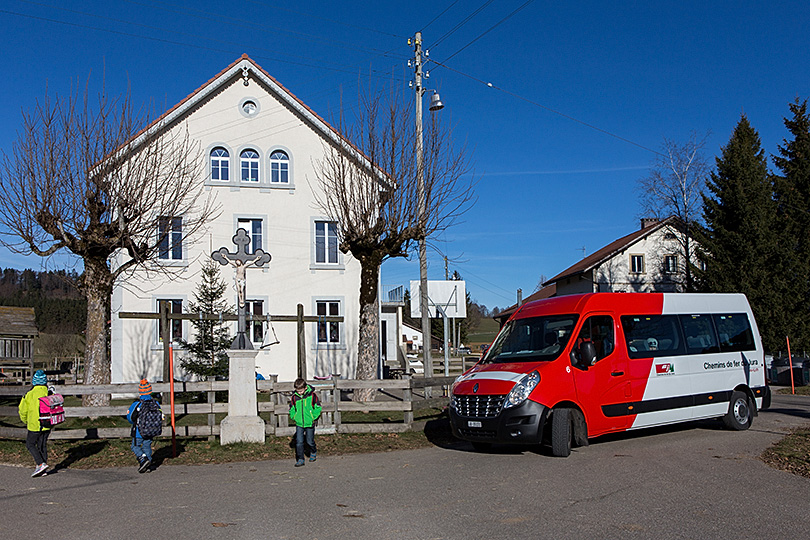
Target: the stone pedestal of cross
(243, 423)
(240, 261)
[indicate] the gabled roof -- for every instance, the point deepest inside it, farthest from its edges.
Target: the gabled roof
(236, 70)
(17, 321)
(611, 250)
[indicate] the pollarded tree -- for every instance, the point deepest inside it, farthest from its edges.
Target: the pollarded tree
(792, 193)
(208, 356)
(674, 187)
(93, 181)
(738, 243)
(371, 191)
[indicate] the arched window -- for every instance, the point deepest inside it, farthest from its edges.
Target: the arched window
(250, 165)
(279, 168)
(220, 164)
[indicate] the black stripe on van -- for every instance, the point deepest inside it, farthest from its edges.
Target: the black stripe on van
(677, 402)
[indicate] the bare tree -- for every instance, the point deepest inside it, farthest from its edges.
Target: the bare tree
(675, 187)
(92, 181)
(371, 191)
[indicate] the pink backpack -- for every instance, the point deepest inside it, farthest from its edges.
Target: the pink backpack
(51, 411)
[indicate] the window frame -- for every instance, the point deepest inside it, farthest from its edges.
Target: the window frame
(252, 219)
(250, 162)
(177, 326)
(633, 269)
(314, 264)
(220, 163)
(170, 240)
(317, 344)
(252, 325)
(668, 268)
(283, 166)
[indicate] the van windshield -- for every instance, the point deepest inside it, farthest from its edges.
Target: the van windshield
(533, 339)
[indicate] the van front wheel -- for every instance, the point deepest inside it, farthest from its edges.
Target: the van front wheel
(739, 412)
(561, 432)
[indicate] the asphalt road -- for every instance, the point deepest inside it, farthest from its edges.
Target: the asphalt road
(697, 480)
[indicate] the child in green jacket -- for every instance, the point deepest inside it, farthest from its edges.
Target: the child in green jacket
(37, 439)
(305, 408)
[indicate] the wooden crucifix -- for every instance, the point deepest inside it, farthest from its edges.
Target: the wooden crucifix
(240, 261)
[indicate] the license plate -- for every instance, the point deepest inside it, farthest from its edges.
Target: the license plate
(473, 423)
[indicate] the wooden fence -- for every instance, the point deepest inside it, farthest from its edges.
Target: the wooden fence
(393, 395)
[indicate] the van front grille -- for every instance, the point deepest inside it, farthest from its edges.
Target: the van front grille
(479, 406)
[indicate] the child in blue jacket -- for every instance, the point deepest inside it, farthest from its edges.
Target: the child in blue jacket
(141, 447)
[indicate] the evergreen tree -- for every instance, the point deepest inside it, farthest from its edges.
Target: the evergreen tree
(738, 241)
(792, 194)
(212, 338)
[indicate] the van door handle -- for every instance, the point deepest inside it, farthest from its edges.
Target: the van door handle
(617, 373)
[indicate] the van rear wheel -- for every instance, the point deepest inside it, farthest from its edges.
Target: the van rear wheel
(739, 413)
(561, 432)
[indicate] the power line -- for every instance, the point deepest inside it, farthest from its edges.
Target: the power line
(493, 27)
(537, 104)
(462, 23)
(439, 15)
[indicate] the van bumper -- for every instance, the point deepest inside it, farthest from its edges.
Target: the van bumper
(522, 424)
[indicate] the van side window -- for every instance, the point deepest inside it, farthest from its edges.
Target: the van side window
(699, 333)
(735, 332)
(599, 330)
(652, 335)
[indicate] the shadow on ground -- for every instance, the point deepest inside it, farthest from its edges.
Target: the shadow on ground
(81, 451)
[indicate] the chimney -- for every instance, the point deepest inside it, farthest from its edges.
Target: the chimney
(520, 297)
(648, 221)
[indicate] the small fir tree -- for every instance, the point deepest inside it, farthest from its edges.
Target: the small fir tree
(207, 356)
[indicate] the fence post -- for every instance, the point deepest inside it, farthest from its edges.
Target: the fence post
(212, 399)
(302, 353)
(336, 399)
(273, 381)
(407, 396)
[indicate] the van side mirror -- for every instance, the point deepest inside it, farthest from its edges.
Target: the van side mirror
(587, 354)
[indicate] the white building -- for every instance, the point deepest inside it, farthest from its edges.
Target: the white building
(260, 146)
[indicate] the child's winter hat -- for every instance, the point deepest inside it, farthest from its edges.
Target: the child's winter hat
(145, 388)
(39, 378)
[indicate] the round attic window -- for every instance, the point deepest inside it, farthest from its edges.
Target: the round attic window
(249, 107)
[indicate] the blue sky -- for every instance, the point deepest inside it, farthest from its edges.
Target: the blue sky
(550, 188)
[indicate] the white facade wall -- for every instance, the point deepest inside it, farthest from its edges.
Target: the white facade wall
(288, 215)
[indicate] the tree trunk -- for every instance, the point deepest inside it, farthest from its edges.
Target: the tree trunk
(368, 349)
(98, 283)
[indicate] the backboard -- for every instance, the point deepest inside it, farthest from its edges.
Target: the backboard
(450, 295)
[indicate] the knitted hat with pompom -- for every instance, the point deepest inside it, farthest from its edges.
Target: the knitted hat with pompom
(145, 388)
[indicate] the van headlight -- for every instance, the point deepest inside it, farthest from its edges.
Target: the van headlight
(521, 390)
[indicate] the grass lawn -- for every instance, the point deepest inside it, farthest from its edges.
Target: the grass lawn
(800, 390)
(791, 454)
(93, 454)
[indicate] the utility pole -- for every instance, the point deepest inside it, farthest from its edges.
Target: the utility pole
(420, 182)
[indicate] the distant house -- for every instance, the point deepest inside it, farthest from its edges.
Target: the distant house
(18, 329)
(646, 260)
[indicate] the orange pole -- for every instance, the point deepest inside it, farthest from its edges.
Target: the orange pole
(171, 399)
(790, 365)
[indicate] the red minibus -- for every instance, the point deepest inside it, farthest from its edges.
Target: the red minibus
(570, 368)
